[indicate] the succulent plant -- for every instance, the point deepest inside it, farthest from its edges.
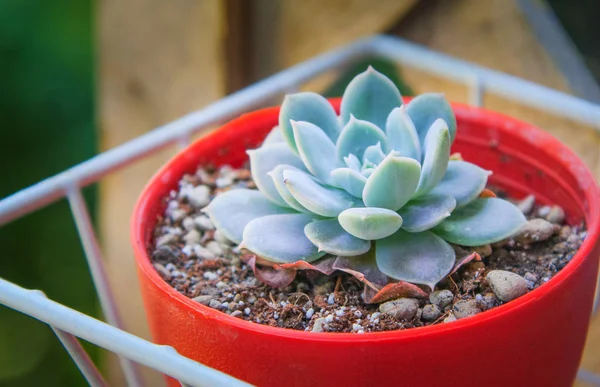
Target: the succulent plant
(376, 180)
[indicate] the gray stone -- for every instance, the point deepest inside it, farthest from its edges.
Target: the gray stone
(526, 205)
(320, 325)
(166, 239)
(400, 309)
(506, 285)
(465, 308)
(431, 312)
(236, 313)
(214, 304)
(199, 197)
(215, 248)
(450, 318)
(536, 230)
(188, 223)
(556, 215)
(204, 300)
(192, 237)
(204, 223)
(441, 298)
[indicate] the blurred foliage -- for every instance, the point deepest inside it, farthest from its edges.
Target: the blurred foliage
(46, 126)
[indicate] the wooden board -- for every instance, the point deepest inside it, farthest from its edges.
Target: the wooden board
(157, 61)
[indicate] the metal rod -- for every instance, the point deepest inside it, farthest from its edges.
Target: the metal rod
(98, 271)
(52, 189)
(162, 358)
(409, 54)
(87, 367)
(513, 88)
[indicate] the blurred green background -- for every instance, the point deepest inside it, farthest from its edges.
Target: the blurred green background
(47, 125)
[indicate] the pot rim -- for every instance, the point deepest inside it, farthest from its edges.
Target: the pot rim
(526, 132)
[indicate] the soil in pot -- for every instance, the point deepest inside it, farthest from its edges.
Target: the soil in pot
(202, 265)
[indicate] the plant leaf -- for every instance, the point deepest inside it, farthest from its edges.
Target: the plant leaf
(263, 160)
(272, 276)
(370, 96)
(421, 258)
(426, 212)
(309, 107)
(357, 136)
(464, 181)
(231, 211)
(426, 108)
(392, 183)
(352, 162)
(370, 223)
(331, 238)
(280, 238)
(349, 180)
(316, 197)
(364, 268)
(316, 150)
(324, 265)
(373, 154)
(277, 176)
(274, 136)
(393, 291)
(436, 157)
(483, 221)
(402, 135)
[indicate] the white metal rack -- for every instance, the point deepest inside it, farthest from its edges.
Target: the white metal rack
(68, 324)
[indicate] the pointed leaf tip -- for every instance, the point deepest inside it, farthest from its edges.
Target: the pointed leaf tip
(316, 150)
(370, 96)
(309, 107)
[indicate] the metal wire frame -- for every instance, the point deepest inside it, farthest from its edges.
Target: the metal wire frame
(68, 323)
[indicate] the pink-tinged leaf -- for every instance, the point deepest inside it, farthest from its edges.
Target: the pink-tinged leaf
(392, 291)
(271, 275)
(462, 258)
(324, 266)
(364, 268)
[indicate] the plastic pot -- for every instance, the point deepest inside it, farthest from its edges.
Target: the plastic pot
(536, 340)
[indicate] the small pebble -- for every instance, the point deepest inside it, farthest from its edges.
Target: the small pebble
(483, 251)
(465, 308)
(221, 285)
(450, 318)
(329, 318)
(236, 313)
(166, 253)
(165, 239)
(214, 304)
(441, 298)
(331, 299)
(224, 181)
(431, 312)
(526, 205)
(199, 197)
(358, 313)
(203, 252)
(360, 331)
(309, 313)
(162, 270)
(400, 309)
(490, 300)
(188, 223)
(356, 327)
(215, 248)
(222, 239)
(536, 230)
(209, 275)
(339, 313)
(247, 311)
(204, 223)
(506, 285)
(556, 215)
(224, 305)
(192, 237)
(542, 212)
(320, 325)
(178, 214)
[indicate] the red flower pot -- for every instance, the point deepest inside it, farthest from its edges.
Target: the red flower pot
(536, 340)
